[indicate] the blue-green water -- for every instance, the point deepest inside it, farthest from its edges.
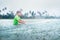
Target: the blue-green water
(39, 29)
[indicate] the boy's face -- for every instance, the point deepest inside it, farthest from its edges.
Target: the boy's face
(19, 14)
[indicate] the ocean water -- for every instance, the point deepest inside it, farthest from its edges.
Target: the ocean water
(33, 29)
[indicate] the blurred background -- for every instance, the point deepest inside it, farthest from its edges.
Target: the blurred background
(31, 8)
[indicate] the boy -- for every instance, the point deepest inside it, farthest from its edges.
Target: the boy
(17, 18)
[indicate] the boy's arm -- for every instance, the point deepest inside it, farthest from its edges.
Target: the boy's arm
(20, 21)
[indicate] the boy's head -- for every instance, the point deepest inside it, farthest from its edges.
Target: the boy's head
(19, 13)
